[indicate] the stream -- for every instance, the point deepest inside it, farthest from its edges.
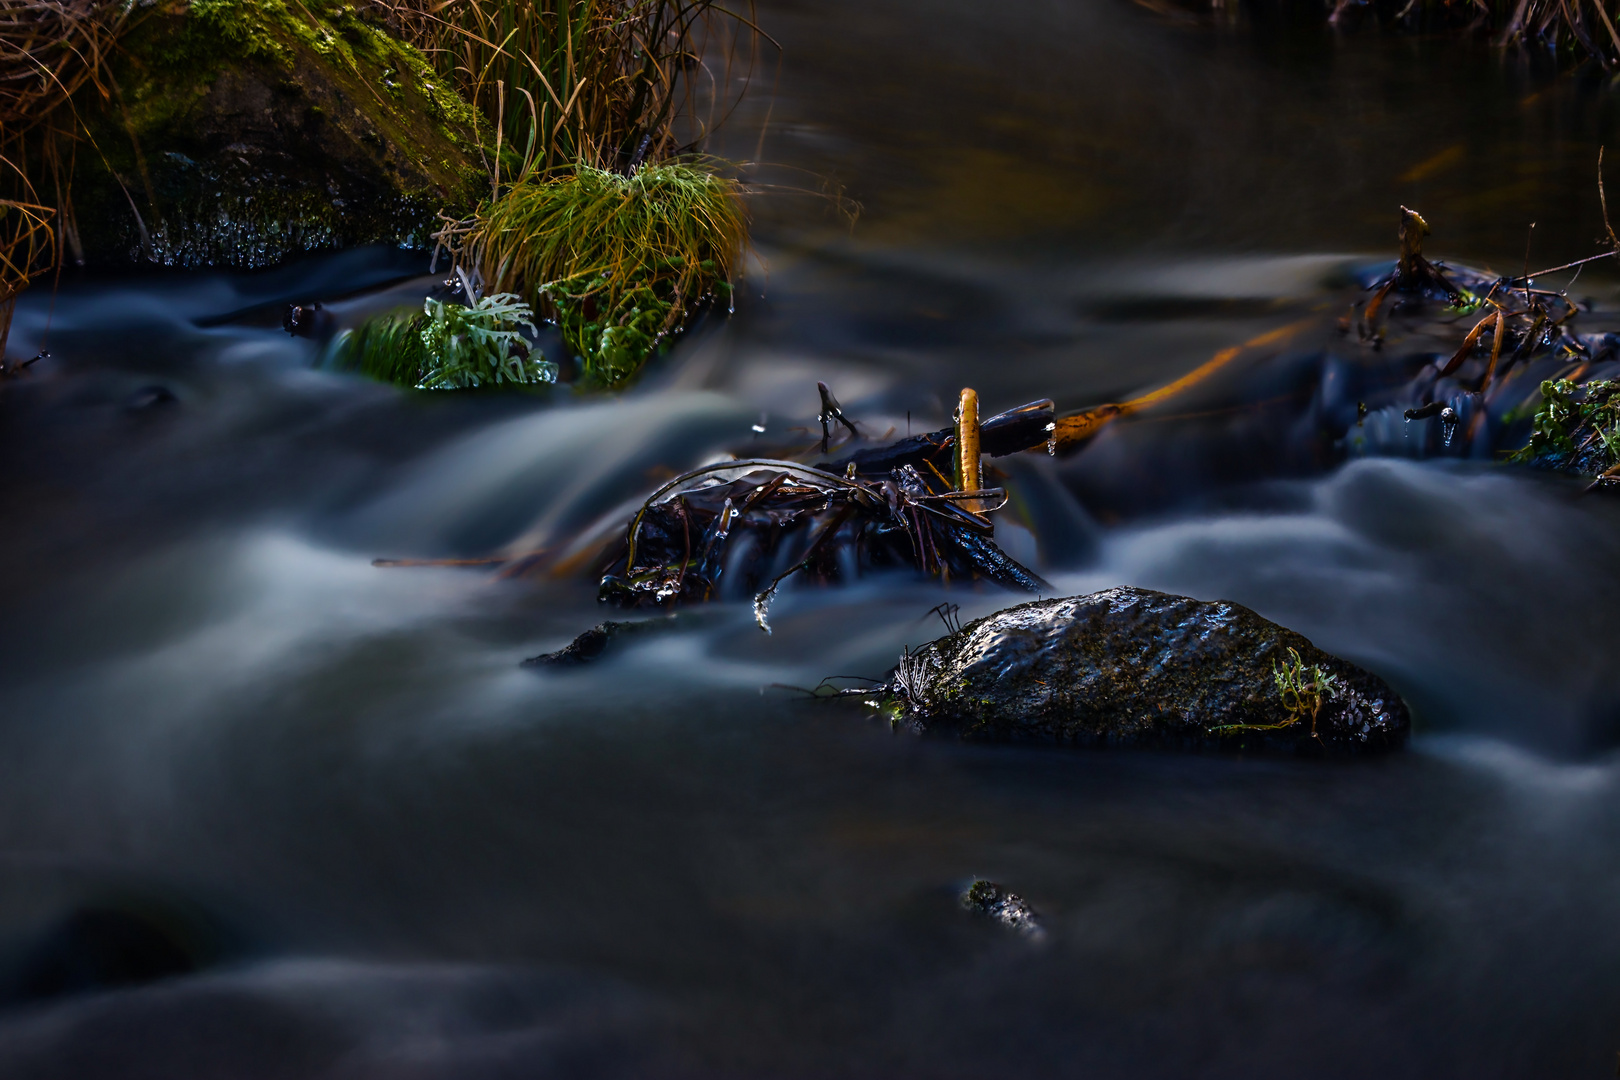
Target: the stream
(269, 810)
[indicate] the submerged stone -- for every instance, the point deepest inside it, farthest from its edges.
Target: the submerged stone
(595, 642)
(1131, 666)
(606, 638)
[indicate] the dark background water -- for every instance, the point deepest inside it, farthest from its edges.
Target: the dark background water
(267, 810)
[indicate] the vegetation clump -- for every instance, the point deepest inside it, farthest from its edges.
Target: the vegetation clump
(1576, 428)
(600, 212)
(242, 131)
(619, 261)
(450, 346)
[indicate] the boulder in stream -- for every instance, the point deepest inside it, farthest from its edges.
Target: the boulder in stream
(245, 131)
(1130, 666)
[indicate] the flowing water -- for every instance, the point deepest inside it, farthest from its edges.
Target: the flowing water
(267, 810)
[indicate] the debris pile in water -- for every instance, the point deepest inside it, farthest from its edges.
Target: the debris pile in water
(1520, 381)
(742, 528)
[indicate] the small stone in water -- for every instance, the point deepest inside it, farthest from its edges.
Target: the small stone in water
(994, 901)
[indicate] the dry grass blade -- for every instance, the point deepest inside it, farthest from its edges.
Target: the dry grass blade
(26, 239)
(610, 83)
(48, 50)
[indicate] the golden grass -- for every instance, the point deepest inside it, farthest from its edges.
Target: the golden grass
(26, 238)
(609, 83)
(48, 50)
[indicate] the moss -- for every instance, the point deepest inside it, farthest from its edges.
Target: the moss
(270, 30)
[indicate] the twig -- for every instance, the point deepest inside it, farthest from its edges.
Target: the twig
(1603, 201)
(1571, 265)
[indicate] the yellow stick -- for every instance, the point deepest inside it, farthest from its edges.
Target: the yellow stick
(967, 447)
(1070, 430)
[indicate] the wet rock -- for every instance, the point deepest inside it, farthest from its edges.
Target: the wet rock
(1135, 667)
(246, 131)
(596, 642)
(992, 901)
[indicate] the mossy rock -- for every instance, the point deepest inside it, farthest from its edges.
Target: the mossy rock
(1135, 667)
(239, 132)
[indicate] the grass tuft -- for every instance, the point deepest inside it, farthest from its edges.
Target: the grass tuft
(619, 261)
(611, 83)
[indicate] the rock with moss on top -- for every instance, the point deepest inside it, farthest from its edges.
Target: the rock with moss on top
(1133, 667)
(247, 131)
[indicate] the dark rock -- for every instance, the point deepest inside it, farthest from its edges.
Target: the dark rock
(305, 320)
(1134, 667)
(993, 901)
(595, 642)
(149, 397)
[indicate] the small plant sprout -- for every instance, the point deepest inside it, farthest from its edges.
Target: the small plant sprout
(1303, 689)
